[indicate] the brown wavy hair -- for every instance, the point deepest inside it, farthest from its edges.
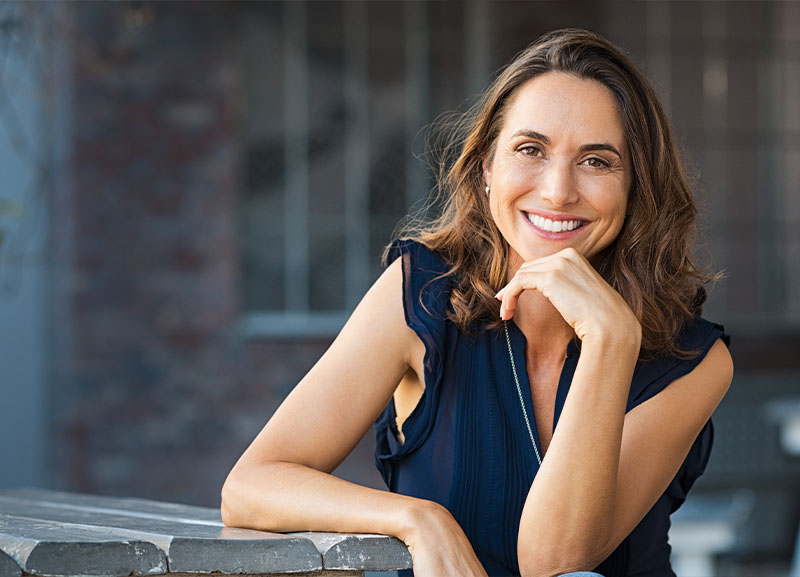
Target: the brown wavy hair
(649, 263)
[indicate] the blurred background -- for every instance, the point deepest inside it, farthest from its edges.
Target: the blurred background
(194, 195)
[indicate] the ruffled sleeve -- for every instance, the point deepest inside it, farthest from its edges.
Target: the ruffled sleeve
(653, 377)
(426, 294)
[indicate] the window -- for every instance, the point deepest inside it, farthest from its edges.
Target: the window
(336, 95)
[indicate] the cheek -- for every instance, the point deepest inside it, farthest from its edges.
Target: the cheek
(519, 178)
(494, 210)
(611, 198)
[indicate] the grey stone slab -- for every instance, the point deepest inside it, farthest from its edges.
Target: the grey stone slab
(194, 539)
(131, 505)
(54, 549)
(188, 546)
(286, 555)
(9, 567)
(362, 552)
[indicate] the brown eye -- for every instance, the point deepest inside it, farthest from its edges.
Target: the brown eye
(531, 150)
(595, 162)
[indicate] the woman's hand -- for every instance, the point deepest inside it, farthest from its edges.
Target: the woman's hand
(585, 300)
(438, 545)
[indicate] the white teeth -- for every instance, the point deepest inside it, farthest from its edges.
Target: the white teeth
(553, 226)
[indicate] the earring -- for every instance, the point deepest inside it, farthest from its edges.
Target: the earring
(487, 189)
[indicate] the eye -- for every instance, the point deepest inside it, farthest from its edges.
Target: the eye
(531, 150)
(596, 162)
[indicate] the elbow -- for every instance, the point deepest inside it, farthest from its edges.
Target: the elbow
(559, 559)
(556, 567)
(231, 500)
(225, 509)
(225, 506)
(247, 498)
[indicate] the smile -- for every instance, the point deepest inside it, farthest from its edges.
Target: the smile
(548, 225)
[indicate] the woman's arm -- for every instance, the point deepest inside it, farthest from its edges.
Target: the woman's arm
(604, 469)
(282, 482)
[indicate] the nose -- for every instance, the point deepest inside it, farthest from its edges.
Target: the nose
(558, 185)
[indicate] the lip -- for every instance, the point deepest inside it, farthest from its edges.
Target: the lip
(554, 216)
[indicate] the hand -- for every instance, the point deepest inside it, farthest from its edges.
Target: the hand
(438, 545)
(585, 300)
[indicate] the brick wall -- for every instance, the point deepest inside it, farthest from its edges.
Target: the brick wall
(153, 392)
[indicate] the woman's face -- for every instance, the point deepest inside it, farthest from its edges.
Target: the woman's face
(560, 172)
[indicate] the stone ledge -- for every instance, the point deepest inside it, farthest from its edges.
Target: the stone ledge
(61, 534)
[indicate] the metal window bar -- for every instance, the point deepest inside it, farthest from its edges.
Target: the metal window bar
(715, 112)
(659, 53)
(417, 80)
(296, 162)
(476, 46)
(356, 169)
(769, 112)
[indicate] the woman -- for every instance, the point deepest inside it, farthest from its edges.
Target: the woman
(567, 197)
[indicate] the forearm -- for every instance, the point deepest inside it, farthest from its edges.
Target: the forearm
(283, 496)
(570, 506)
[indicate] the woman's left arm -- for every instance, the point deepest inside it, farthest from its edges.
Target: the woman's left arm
(604, 469)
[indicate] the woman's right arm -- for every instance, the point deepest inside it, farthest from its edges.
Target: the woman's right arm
(282, 482)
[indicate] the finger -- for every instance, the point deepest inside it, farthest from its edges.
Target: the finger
(509, 297)
(505, 301)
(535, 276)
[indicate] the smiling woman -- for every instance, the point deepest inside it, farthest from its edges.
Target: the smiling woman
(539, 375)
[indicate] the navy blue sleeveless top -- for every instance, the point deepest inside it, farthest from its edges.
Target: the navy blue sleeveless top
(466, 443)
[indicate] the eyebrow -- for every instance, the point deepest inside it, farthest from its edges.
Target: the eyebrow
(601, 146)
(585, 148)
(531, 134)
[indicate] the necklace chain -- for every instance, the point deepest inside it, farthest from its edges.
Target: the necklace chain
(519, 391)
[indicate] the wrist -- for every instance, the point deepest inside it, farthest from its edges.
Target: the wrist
(417, 515)
(624, 339)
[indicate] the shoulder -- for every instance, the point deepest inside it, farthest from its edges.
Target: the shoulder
(417, 257)
(701, 333)
(427, 281)
(379, 318)
(710, 358)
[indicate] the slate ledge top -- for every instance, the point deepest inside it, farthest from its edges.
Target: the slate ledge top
(55, 534)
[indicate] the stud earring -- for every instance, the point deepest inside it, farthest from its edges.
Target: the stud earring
(487, 189)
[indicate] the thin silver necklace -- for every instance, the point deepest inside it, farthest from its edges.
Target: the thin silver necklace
(519, 391)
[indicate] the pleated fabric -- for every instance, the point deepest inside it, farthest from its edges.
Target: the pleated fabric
(467, 446)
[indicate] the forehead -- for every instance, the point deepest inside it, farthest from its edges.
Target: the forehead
(561, 105)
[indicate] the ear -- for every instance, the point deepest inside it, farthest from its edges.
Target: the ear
(487, 171)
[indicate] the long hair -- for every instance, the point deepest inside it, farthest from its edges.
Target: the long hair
(649, 263)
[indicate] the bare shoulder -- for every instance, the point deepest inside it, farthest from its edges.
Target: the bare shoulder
(692, 398)
(712, 377)
(381, 311)
(719, 364)
(376, 335)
